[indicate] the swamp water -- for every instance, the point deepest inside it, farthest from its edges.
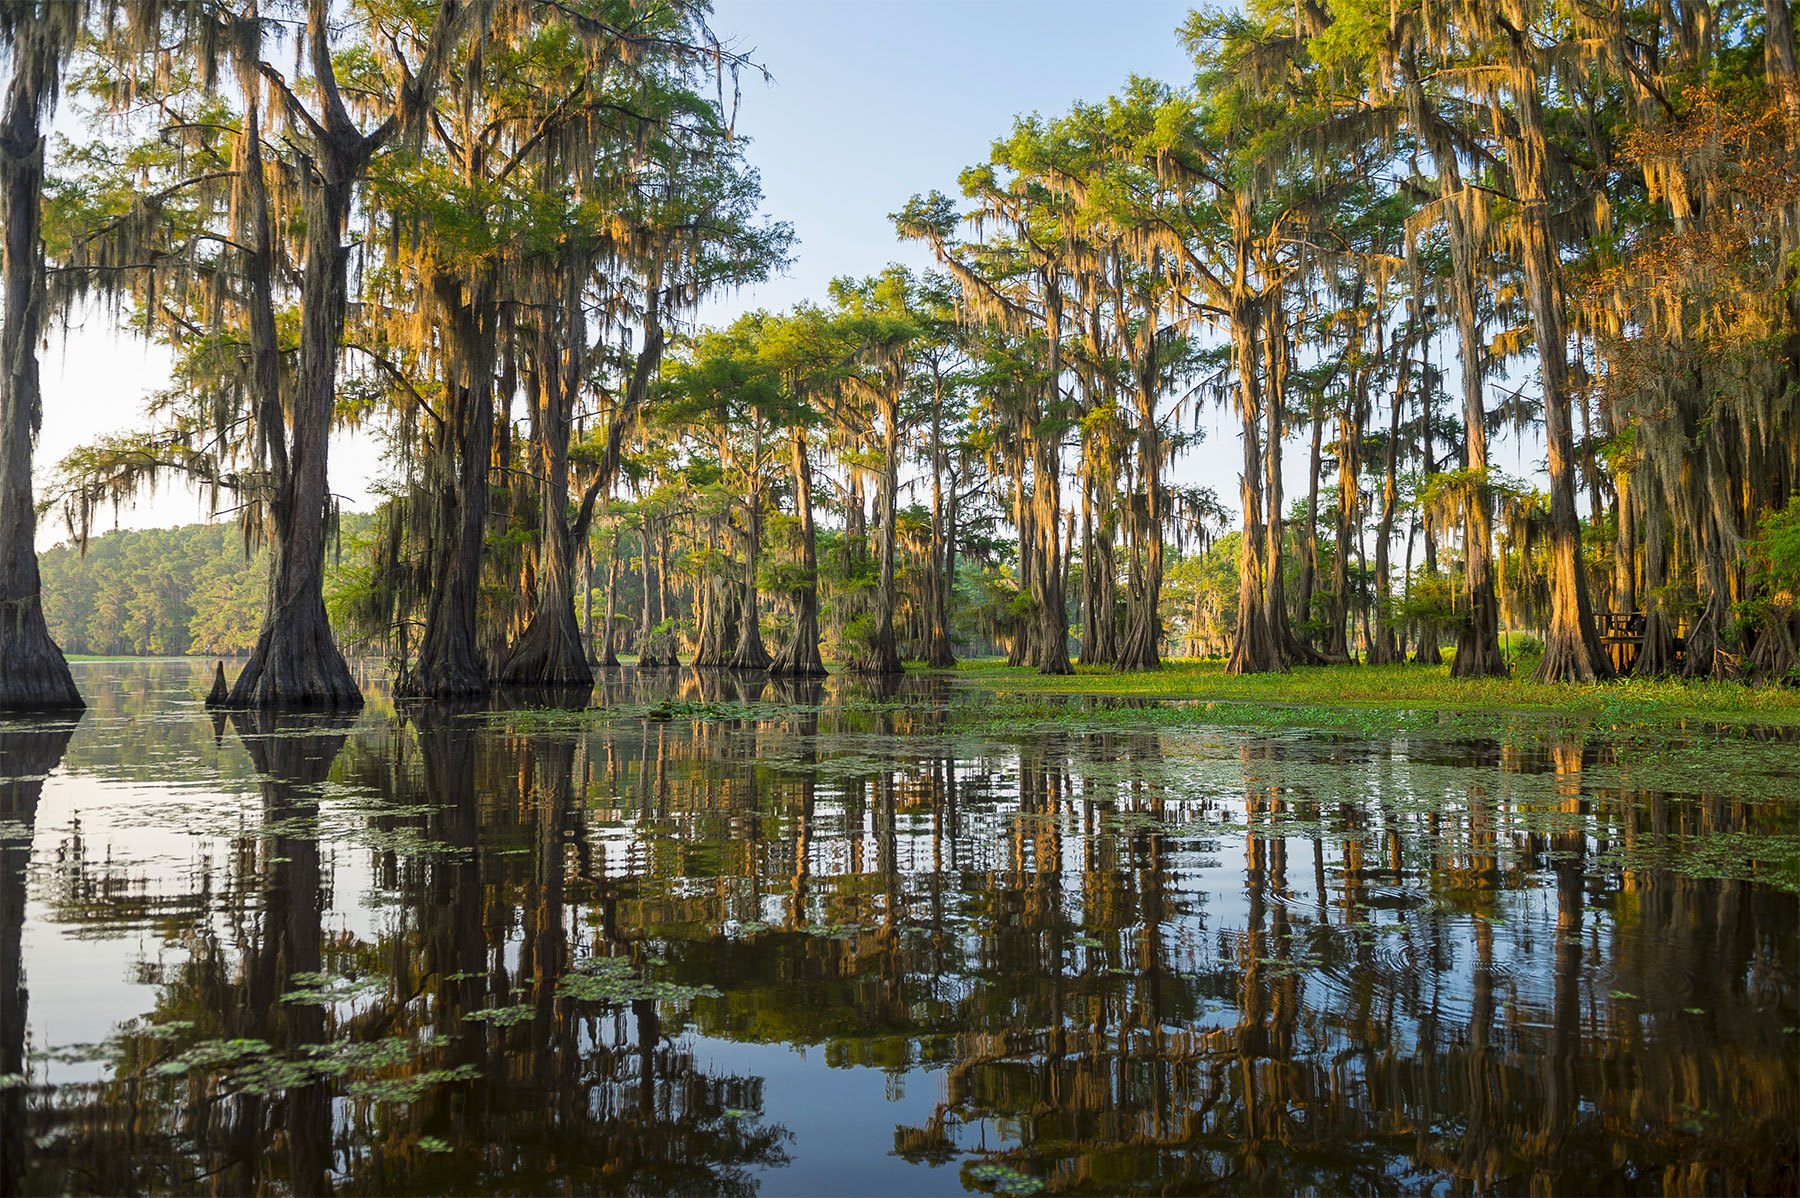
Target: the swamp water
(719, 936)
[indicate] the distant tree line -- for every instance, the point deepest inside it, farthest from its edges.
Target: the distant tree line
(197, 589)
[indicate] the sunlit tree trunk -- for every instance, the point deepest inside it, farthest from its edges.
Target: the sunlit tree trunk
(1478, 639)
(1572, 651)
(1254, 648)
(1140, 648)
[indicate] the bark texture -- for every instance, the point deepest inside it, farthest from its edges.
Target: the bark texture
(450, 663)
(33, 673)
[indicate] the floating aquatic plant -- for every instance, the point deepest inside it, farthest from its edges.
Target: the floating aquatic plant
(318, 989)
(251, 1066)
(1004, 1179)
(615, 982)
(503, 1016)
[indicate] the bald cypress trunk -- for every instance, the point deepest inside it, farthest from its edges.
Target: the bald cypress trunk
(750, 653)
(608, 653)
(33, 673)
(1254, 648)
(883, 652)
(1478, 652)
(450, 663)
(1276, 350)
(940, 580)
(1349, 453)
(1572, 651)
(1046, 501)
(296, 663)
(656, 650)
(1383, 648)
(800, 658)
(1656, 651)
(1309, 564)
(549, 651)
(1140, 648)
(1478, 639)
(1428, 652)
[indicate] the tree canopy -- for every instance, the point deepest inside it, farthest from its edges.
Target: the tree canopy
(483, 230)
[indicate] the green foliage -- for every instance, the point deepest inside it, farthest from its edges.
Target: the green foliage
(1776, 550)
(1429, 602)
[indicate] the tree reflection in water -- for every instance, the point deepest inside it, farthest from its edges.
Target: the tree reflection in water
(1100, 961)
(29, 750)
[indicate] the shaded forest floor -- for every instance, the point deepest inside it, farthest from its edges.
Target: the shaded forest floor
(1371, 698)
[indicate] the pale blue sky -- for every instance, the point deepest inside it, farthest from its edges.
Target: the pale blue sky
(874, 101)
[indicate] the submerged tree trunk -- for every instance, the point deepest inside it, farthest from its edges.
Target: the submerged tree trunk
(800, 657)
(33, 672)
(295, 661)
(718, 622)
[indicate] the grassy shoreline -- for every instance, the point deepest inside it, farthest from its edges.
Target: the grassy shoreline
(1361, 696)
(1372, 692)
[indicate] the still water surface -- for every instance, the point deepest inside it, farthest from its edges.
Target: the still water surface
(726, 936)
